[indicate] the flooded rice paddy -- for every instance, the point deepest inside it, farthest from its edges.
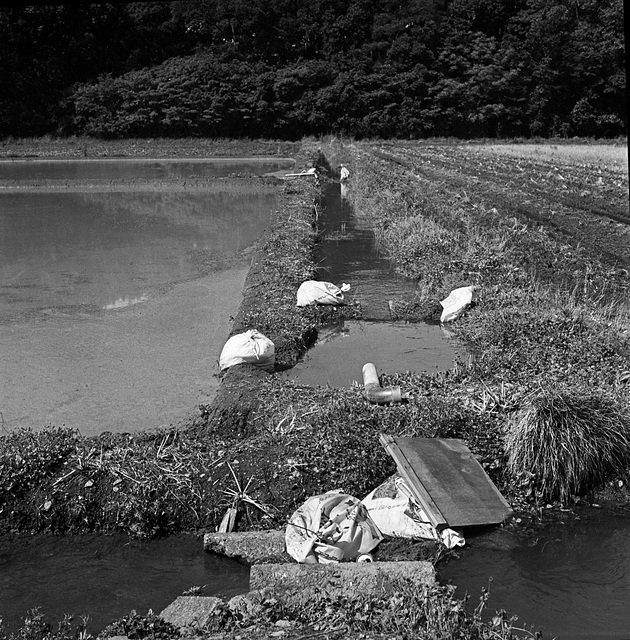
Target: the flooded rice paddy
(116, 170)
(109, 282)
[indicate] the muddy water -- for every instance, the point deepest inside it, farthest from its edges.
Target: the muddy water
(338, 357)
(348, 253)
(106, 577)
(108, 298)
(569, 581)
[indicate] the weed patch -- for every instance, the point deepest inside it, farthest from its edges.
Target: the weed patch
(563, 444)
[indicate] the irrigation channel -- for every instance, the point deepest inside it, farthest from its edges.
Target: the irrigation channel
(348, 254)
(569, 580)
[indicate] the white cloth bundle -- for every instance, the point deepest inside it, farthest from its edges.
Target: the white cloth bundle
(249, 347)
(330, 527)
(316, 292)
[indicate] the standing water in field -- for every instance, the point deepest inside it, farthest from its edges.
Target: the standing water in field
(111, 273)
(348, 253)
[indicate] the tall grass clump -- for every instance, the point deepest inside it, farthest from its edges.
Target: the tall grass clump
(568, 442)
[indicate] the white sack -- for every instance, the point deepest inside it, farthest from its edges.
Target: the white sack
(330, 528)
(315, 292)
(249, 347)
(456, 302)
(396, 513)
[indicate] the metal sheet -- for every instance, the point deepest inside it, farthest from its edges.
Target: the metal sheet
(447, 481)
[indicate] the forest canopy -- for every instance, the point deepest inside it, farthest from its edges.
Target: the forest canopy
(287, 69)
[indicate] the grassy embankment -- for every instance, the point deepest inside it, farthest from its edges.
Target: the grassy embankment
(547, 347)
(549, 338)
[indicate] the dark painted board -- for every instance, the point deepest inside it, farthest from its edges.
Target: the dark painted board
(447, 481)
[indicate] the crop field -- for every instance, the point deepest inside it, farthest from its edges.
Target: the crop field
(610, 156)
(579, 193)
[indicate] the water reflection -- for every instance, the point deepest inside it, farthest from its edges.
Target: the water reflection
(64, 249)
(570, 580)
(341, 350)
(121, 303)
(71, 256)
(350, 254)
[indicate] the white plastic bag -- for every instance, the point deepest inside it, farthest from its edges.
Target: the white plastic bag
(315, 292)
(249, 347)
(396, 513)
(330, 527)
(457, 301)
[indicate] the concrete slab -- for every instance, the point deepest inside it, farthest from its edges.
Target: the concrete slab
(252, 547)
(294, 583)
(191, 610)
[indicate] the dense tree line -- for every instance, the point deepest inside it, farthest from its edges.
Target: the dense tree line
(287, 68)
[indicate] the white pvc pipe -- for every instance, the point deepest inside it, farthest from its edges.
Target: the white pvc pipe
(372, 390)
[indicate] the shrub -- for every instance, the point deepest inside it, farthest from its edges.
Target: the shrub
(568, 442)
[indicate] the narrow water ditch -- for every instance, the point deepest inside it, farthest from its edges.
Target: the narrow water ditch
(568, 580)
(105, 577)
(348, 254)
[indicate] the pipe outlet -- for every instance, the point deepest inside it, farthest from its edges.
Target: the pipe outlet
(372, 390)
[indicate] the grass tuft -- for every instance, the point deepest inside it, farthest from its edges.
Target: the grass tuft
(568, 442)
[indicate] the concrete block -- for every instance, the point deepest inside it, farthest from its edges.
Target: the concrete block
(191, 610)
(297, 583)
(252, 547)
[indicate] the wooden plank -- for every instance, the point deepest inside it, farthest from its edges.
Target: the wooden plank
(447, 481)
(414, 483)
